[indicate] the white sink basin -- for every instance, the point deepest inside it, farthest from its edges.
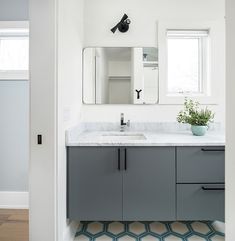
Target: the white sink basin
(122, 136)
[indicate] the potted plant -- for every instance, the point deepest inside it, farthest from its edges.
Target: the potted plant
(199, 119)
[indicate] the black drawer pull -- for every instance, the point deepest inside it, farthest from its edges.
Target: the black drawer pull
(207, 149)
(119, 164)
(125, 160)
(213, 188)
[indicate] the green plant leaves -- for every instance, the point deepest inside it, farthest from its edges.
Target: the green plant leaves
(193, 115)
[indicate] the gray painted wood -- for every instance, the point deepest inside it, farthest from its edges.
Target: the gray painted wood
(193, 203)
(197, 166)
(94, 184)
(149, 184)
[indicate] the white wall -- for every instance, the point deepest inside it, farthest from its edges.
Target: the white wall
(100, 16)
(101, 76)
(230, 117)
(89, 75)
(119, 68)
(119, 91)
(69, 99)
(43, 92)
(56, 72)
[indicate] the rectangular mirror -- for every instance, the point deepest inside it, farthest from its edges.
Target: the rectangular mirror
(120, 75)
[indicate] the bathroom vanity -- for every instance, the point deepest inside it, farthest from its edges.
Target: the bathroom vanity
(166, 176)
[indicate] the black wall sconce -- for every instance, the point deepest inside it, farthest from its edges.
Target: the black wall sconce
(123, 25)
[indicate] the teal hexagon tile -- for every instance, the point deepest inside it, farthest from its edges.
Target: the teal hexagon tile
(158, 228)
(148, 231)
(116, 228)
(217, 237)
(82, 237)
(104, 237)
(201, 227)
(80, 227)
(179, 227)
(149, 237)
(95, 227)
(172, 237)
(196, 238)
(126, 238)
(137, 228)
(218, 226)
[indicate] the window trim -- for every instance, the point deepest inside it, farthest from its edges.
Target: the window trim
(14, 74)
(216, 59)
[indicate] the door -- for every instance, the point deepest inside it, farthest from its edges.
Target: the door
(149, 184)
(94, 184)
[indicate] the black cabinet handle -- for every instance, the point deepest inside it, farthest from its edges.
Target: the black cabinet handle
(213, 188)
(208, 149)
(125, 160)
(119, 164)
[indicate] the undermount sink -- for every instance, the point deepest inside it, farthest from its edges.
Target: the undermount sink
(122, 136)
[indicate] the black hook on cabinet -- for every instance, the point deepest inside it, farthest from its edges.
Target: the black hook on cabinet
(138, 93)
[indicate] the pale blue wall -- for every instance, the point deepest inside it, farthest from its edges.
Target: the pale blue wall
(13, 10)
(14, 135)
(14, 116)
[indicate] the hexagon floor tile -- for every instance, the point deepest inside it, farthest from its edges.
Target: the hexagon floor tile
(158, 228)
(137, 228)
(201, 228)
(179, 227)
(149, 231)
(116, 228)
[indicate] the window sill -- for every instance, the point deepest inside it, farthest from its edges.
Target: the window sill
(179, 100)
(14, 75)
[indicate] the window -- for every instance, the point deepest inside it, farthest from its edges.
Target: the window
(191, 61)
(14, 53)
(187, 62)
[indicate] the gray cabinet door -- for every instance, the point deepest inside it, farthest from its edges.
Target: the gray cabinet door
(200, 164)
(200, 202)
(149, 184)
(94, 184)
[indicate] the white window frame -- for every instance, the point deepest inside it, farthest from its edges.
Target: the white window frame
(213, 75)
(14, 74)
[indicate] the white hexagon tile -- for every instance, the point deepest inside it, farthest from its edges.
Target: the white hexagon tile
(149, 231)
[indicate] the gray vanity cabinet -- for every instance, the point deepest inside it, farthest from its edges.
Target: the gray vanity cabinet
(145, 183)
(119, 183)
(200, 202)
(94, 184)
(200, 183)
(149, 184)
(200, 164)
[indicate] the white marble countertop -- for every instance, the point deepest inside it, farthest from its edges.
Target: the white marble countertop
(153, 138)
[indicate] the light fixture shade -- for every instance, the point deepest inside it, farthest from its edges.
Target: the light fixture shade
(123, 25)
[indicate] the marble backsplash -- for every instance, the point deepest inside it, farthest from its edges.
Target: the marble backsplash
(137, 126)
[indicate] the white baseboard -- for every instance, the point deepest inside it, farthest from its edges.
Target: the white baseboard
(14, 200)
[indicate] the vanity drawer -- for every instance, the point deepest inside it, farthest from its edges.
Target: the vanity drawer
(200, 202)
(200, 164)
